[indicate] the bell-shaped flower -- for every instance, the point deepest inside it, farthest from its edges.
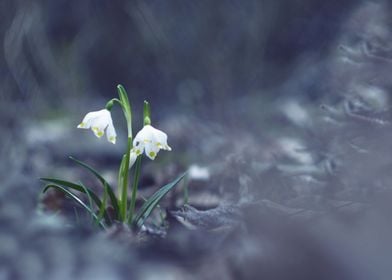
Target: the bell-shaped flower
(98, 121)
(148, 140)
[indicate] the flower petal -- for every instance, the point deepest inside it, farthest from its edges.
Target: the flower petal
(160, 139)
(145, 135)
(167, 148)
(139, 149)
(151, 140)
(82, 125)
(89, 119)
(98, 129)
(111, 133)
(98, 121)
(132, 158)
(151, 150)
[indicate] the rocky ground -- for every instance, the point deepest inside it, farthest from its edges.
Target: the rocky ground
(287, 179)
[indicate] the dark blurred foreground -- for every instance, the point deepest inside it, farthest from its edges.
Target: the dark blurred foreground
(287, 105)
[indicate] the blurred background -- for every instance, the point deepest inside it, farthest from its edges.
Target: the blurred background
(282, 102)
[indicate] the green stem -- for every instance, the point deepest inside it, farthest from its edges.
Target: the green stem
(134, 188)
(124, 190)
(118, 101)
(126, 107)
(146, 113)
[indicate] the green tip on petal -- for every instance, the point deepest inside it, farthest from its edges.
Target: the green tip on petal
(98, 133)
(112, 139)
(152, 154)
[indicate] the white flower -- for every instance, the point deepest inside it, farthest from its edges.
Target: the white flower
(98, 121)
(149, 140)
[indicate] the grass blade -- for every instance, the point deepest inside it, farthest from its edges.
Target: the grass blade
(81, 189)
(148, 206)
(77, 200)
(103, 206)
(90, 200)
(104, 183)
(76, 187)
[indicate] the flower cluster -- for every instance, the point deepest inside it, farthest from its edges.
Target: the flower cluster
(149, 139)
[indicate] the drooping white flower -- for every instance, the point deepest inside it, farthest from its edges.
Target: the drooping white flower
(149, 140)
(98, 121)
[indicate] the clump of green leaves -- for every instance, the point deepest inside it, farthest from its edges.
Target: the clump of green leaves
(149, 140)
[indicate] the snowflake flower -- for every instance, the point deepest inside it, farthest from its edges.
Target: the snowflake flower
(98, 121)
(149, 140)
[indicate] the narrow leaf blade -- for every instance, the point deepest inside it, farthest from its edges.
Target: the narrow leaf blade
(79, 188)
(75, 199)
(148, 206)
(104, 183)
(74, 186)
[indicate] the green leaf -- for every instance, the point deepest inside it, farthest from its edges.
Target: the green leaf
(79, 188)
(90, 200)
(123, 186)
(126, 106)
(77, 200)
(148, 206)
(121, 172)
(74, 186)
(105, 184)
(102, 209)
